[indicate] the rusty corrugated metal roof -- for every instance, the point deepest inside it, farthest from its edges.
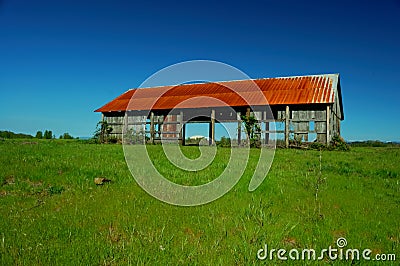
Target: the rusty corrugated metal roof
(313, 89)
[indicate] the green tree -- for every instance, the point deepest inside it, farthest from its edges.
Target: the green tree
(253, 130)
(67, 136)
(48, 134)
(39, 135)
(103, 130)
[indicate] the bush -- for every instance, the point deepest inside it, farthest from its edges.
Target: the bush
(55, 190)
(103, 130)
(255, 143)
(112, 140)
(67, 136)
(317, 146)
(224, 142)
(338, 143)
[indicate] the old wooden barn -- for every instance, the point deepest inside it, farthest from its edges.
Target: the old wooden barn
(302, 108)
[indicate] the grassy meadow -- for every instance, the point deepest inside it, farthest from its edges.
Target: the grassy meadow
(52, 213)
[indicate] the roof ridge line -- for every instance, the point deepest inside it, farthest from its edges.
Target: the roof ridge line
(226, 81)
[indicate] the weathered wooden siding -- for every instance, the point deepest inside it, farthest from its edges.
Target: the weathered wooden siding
(305, 123)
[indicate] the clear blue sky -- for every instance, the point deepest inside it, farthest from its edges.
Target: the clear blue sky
(60, 60)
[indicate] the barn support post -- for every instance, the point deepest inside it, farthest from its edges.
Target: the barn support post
(152, 127)
(247, 133)
(287, 117)
(125, 126)
(211, 132)
(266, 133)
(182, 129)
(183, 134)
(328, 111)
(161, 125)
(266, 136)
(239, 128)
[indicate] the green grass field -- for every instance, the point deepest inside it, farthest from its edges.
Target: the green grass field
(52, 213)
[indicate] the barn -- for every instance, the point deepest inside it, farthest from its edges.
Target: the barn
(297, 108)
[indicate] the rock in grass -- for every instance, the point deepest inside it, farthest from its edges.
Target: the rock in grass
(101, 180)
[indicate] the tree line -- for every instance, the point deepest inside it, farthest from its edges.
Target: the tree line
(12, 135)
(47, 134)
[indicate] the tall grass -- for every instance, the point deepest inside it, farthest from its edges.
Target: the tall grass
(51, 212)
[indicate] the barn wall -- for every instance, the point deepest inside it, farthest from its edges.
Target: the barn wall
(336, 116)
(138, 124)
(307, 123)
(116, 121)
